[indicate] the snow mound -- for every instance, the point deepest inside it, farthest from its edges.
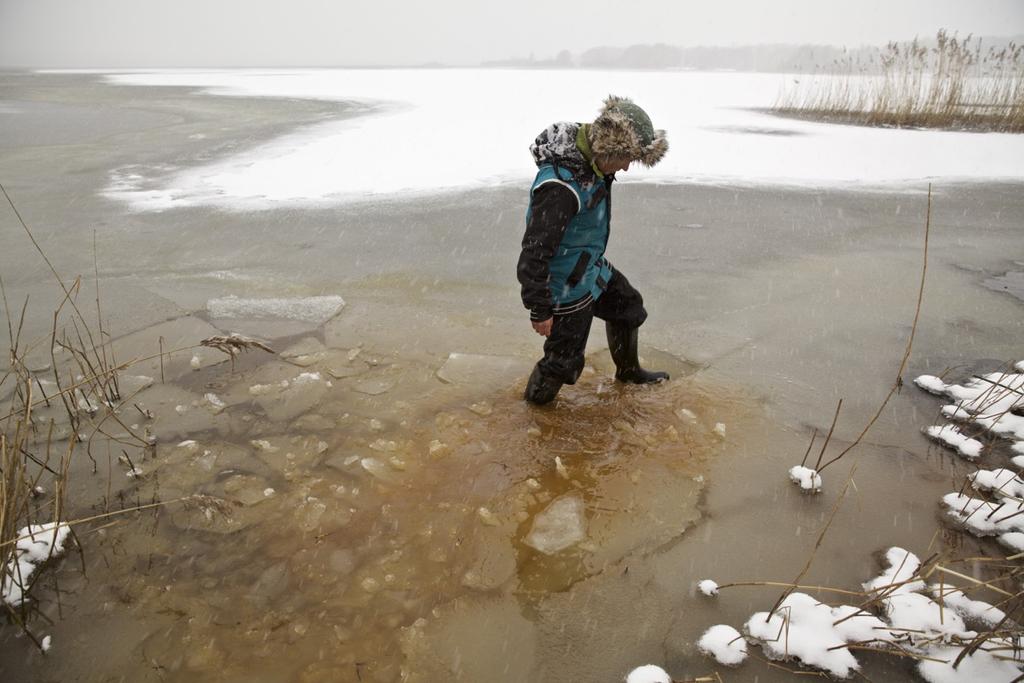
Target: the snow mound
(975, 610)
(975, 667)
(901, 566)
(819, 636)
(805, 629)
(931, 384)
(806, 478)
(983, 518)
(1014, 540)
(724, 643)
(1002, 482)
(987, 401)
(649, 673)
(949, 435)
(36, 544)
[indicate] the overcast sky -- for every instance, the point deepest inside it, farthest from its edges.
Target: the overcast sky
(124, 33)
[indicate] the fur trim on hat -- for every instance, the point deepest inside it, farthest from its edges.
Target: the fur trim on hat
(613, 134)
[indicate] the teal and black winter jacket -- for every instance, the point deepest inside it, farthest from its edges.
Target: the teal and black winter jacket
(562, 266)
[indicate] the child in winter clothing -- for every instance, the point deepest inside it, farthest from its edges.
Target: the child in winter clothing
(566, 280)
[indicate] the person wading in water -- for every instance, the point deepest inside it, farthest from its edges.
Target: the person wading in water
(566, 279)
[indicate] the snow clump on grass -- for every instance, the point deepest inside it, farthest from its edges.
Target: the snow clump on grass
(979, 666)
(983, 518)
(1001, 482)
(949, 435)
(974, 610)
(816, 634)
(901, 566)
(36, 544)
(725, 644)
(911, 623)
(806, 478)
(985, 401)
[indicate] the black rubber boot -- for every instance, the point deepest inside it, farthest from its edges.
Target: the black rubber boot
(622, 342)
(541, 389)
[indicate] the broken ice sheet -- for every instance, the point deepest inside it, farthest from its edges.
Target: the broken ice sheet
(481, 369)
(311, 309)
(305, 352)
(560, 525)
(303, 392)
(373, 387)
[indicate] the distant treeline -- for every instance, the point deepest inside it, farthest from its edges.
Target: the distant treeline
(769, 58)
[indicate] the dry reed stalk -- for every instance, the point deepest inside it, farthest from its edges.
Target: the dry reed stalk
(898, 382)
(953, 85)
(817, 544)
(234, 344)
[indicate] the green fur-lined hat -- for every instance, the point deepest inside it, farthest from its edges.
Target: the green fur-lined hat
(624, 130)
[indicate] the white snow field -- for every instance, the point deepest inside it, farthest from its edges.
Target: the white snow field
(415, 131)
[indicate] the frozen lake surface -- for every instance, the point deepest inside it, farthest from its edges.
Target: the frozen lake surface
(416, 131)
(389, 487)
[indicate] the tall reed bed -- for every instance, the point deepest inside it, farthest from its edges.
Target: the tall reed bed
(955, 84)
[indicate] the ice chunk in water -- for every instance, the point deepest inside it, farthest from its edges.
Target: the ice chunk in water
(560, 525)
(305, 352)
(481, 369)
(373, 387)
(311, 309)
(378, 469)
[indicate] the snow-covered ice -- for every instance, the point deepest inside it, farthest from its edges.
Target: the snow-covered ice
(724, 643)
(717, 135)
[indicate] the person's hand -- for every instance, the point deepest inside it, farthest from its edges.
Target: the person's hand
(542, 328)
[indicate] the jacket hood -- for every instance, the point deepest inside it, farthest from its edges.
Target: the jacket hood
(556, 145)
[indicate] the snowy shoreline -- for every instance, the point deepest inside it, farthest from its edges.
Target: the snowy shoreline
(478, 130)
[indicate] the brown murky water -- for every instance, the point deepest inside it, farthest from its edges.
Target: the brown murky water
(368, 503)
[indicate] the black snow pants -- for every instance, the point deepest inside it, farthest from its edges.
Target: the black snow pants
(620, 304)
